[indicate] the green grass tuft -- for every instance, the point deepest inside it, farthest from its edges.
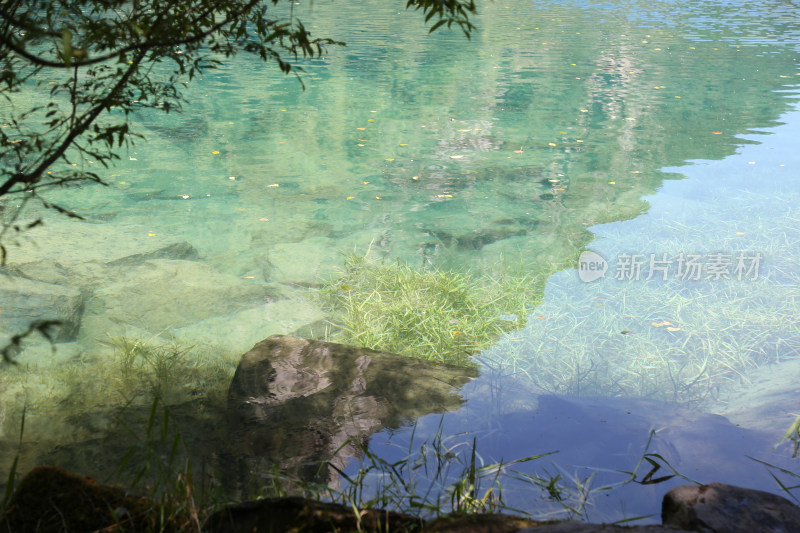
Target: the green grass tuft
(438, 315)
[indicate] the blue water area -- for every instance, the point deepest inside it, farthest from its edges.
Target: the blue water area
(651, 130)
(610, 334)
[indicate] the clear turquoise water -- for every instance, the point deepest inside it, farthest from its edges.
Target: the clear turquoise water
(622, 127)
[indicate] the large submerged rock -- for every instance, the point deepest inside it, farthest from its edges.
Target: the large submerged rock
(298, 401)
(163, 293)
(24, 301)
(82, 254)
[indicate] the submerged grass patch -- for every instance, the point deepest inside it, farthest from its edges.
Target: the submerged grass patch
(439, 315)
(689, 342)
(84, 398)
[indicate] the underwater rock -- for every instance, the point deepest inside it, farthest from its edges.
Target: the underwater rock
(297, 401)
(720, 508)
(81, 254)
(454, 230)
(24, 301)
(163, 293)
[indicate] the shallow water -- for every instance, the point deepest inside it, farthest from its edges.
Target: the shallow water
(623, 127)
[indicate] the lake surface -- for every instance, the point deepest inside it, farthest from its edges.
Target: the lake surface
(640, 131)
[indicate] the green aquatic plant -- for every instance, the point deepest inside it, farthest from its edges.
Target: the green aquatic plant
(169, 370)
(672, 340)
(80, 400)
(439, 315)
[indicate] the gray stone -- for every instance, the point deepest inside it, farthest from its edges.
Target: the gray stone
(24, 301)
(296, 401)
(720, 508)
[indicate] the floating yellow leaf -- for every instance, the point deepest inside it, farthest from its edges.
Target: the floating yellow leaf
(403, 144)
(444, 195)
(349, 197)
(151, 234)
(612, 182)
(248, 277)
(215, 152)
(673, 329)
(661, 323)
(518, 151)
(584, 110)
(551, 144)
(415, 178)
(559, 189)
(361, 129)
(717, 132)
(578, 140)
(263, 220)
(390, 158)
(379, 197)
(456, 156)
(273, 185)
